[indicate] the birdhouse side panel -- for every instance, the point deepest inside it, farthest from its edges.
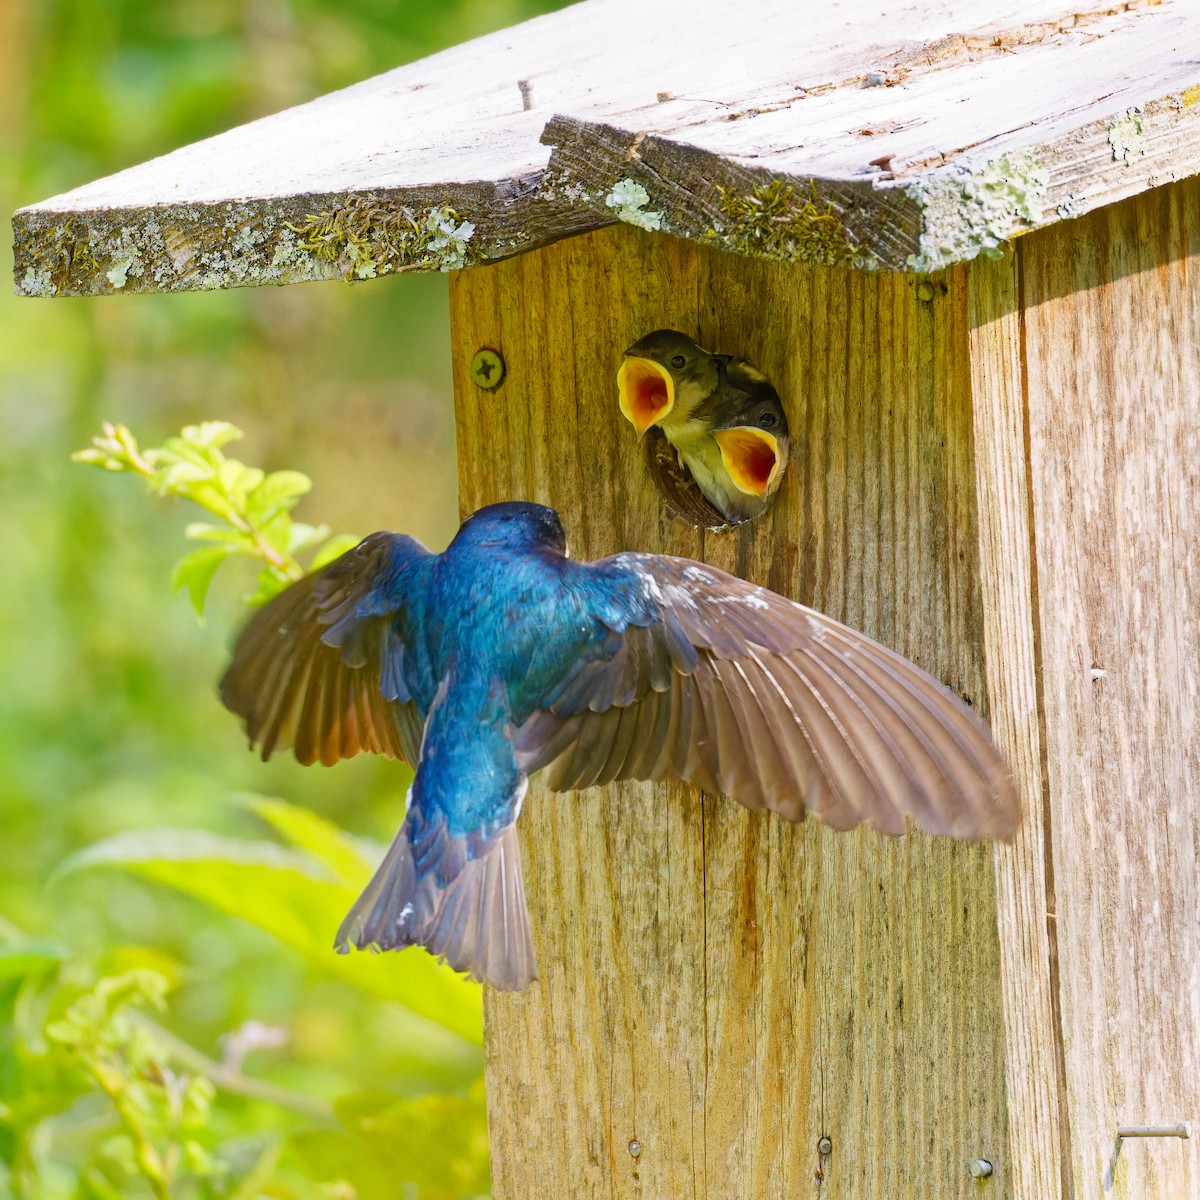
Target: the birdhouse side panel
(1024, 878)
(721, 990)
(1111, 310)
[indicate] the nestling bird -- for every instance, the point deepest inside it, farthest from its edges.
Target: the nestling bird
(501, 657)
(724, 419)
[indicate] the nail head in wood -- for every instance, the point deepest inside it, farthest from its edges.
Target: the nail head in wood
(825, 1147)
(980, 1168)
(487, 369)
(635, 1147)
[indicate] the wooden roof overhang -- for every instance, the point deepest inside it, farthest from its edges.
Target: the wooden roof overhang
(905, 139)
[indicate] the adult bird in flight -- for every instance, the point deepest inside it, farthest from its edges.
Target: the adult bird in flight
(501, 657)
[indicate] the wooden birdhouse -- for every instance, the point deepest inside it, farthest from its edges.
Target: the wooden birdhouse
(963, 241)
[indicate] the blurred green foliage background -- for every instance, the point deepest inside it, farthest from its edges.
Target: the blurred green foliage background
(134, 965)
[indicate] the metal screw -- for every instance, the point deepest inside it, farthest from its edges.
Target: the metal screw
(925, 292)
(487, 369)
(825, 1147)
(635, 1147)
(980, 1168)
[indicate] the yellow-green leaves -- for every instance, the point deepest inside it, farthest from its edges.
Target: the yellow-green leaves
(299, 894)
(161, 1111)
(253, 508)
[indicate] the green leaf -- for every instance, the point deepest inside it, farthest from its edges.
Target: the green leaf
(277, 533)
(203, 531)
(30, 958)
(195, 571)
(212, 434)
(210, 495)
(262, 1161)
(410, 1136)
(238, 480)
(302, 536)
(279, 890)
(292, 896)
(350, 861)
(277, 493)
(181, 476)
(269, 584)
(332, 549)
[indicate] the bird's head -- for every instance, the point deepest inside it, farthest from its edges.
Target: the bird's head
(663, 372)
(513, 525)
(753, 436)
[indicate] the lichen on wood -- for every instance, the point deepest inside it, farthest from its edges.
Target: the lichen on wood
(201, 247)
(972, 210)
(1099, 96)
(178, 248)
(630, 201)
(775, 220)
(367, 238)
(1125, 135)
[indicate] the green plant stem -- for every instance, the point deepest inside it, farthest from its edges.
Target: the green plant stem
(112, 1084)
(285, 566)
(228, 1079)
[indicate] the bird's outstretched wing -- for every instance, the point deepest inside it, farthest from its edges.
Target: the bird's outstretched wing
(738, 690)
(319, 667)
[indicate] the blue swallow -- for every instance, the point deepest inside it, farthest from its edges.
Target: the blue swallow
(501, 657)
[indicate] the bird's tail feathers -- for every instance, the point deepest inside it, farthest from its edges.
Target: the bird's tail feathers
(468, 911)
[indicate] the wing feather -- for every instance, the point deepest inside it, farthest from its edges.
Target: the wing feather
(307, 669)
(736, 689)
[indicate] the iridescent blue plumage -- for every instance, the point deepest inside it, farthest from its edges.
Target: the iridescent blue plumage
(501, 656)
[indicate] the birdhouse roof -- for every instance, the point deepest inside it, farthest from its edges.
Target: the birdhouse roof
(835, 133)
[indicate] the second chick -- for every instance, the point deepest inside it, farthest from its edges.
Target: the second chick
(722, 416)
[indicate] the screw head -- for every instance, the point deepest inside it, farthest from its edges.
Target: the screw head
(825, 1147)
(635, 1147)
(487, 369)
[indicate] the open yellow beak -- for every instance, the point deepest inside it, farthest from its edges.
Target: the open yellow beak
(751, 457)
(647, 392)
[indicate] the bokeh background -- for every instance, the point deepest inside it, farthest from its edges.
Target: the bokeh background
(332, 1081)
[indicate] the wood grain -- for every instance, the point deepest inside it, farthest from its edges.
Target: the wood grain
(721, 988)
(909, 128)
(1112, 331)
(1024, 871)
(908, 173)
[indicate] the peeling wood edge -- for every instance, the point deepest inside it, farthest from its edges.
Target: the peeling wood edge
(291, 239)
(914, 217)
(661, 184)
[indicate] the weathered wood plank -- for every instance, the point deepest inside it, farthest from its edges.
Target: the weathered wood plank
(975, 140)
(987, 120)
(721, 988)
(1037, 1111)
(1111, 308)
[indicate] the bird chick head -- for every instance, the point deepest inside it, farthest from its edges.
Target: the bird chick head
(664, 376)
(754, 442)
